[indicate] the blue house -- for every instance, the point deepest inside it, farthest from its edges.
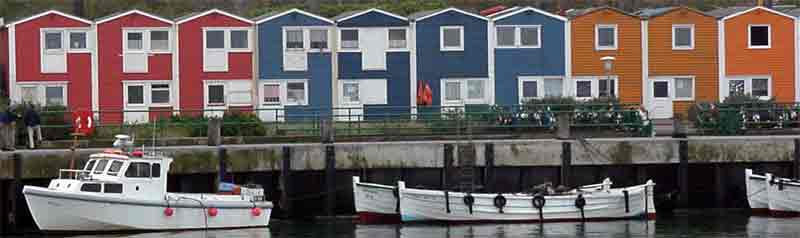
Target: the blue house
(372, 65)
(530, 55)
(294, 65)
(451, 57)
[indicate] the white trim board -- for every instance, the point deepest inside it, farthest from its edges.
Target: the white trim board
(214, 11)
(525, 9)
(135, 11)
(294, 10)
(757, 8)
(48, 13)
(452, 9)
(372, 10)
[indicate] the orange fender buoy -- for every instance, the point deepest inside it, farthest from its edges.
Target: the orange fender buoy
(169, 211)
(255, 211)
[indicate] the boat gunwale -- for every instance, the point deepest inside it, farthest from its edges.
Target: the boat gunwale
(44, 192)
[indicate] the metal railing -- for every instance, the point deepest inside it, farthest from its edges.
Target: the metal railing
(737, 118)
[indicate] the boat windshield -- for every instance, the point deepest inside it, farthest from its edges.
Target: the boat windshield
(89, 165)
(101, 166)
(115, 167)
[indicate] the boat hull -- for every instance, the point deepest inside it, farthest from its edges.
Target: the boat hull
(783, 194)
(757, 194)
(426, 205)
(55, 211)
(375, 203)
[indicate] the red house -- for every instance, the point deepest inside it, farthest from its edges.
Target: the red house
(136, 70)
(50, 55)
(215, 62)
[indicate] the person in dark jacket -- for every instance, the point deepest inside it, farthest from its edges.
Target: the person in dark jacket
(8, 128)
(32, 122)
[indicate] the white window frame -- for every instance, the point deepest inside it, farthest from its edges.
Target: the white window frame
(285, 92)
(280, 93)
(206, 92)
(126, 93)
(341, 95)
(675, 27)
(769, 37)
(358, 49)
(305, 42)
(597, 36)
(462, 86)
(64, 42)
(595, 82)
(226, 44)
(150, 40)
(675, 88)
(42, 94)
(229, 39)
(463, 91)
(69, 41)
(145, 41)
(497, 41)
(518, 37)
(150, 92)
(147, 94)
(226, 91)
(306, 31)
(441, 38)
(390, 49)
(748, 85)
(540, 89)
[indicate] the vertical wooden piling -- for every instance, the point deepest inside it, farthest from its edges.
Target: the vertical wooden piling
(222, 155)
(641, 174)
(566, 163)
(14, 189)
(796, 168)
(214, 132)
(330, 180)
(286, 181)
(719, 186)
(447, 167)
(488, 167)
(683, 172)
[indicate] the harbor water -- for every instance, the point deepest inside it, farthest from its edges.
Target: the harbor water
(694, 223)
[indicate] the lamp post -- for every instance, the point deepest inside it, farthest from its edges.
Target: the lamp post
(608, 65)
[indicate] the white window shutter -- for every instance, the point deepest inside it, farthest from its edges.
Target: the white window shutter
(295, 60)
(373, 91)
(239, 92)
(134, 62)
(374, 42)
(215, 61)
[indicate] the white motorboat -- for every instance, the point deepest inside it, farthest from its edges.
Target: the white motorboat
(117, 190)
(375, 203)
(783, 194)
(757, 194)
(591, 202)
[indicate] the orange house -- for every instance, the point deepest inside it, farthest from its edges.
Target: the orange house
(681, 60)
(601, 32)
(757, 53)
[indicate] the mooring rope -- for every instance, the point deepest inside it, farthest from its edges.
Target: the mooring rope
(754, 193)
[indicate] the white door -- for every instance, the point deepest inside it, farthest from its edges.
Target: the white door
(660, 101)
(135, 104)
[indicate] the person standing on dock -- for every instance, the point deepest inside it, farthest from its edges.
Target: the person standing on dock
(8, 128)
(32, 122)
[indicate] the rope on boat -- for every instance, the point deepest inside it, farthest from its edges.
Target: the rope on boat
(627, 205)
(447, 201)
(202, 205)
(580, 202)
(757, 191)
(396, 194)
(469, 200)
(500, 202)
(538, 202)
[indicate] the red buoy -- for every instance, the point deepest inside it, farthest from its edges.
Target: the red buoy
(169, 211)
(212, 211)
(255, 211)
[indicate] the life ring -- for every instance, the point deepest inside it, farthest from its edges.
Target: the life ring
(499, 202)
(538, 201)
(580, 202)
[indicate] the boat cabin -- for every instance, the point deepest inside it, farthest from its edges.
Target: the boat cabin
(114, 172)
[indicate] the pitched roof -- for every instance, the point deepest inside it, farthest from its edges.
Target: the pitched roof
(656, 12)
(731, 12)
(194, 15)
(276, 14)
(419, 16)
(351, 14)
(125, 13)
(525, 9)
(574, 13)
(48, 12)
(724, 12)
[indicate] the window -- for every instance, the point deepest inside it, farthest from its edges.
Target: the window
(54, 95)
(452, 38)
(350, 92)
(294, 39)
(684, 88)
(216, 94)
(135, 94)
(602, 85)
(29, 94)
(215, 39)
(135, 40)
(159, 94)
(89, 165)
(239, 39)
(115, 167)
(159, 40)
(101, 166)
(319, 39)
(553, 87)
(156, 170)
(452, 91)
(52, 40)
(112, 188)
(606, 37)
(661, 89)
(77, 40)
(682, 37)
(272, 94)
(349, 39)
(475, 89)
(530, 89)
(506, 36)
(529, 36)
(759, 36)
(736, 87)
(760, 87)
(296, 93)
(90, 187)
(138, 170)
(397, 38)
(583, 89)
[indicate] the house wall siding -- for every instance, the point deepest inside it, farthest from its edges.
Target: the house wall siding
(190, 34)
(777, 61)
(628, 63)
(434, 64)
(512, 63)
(701, 62)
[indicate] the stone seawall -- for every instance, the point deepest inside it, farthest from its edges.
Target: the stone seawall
(431, 154)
